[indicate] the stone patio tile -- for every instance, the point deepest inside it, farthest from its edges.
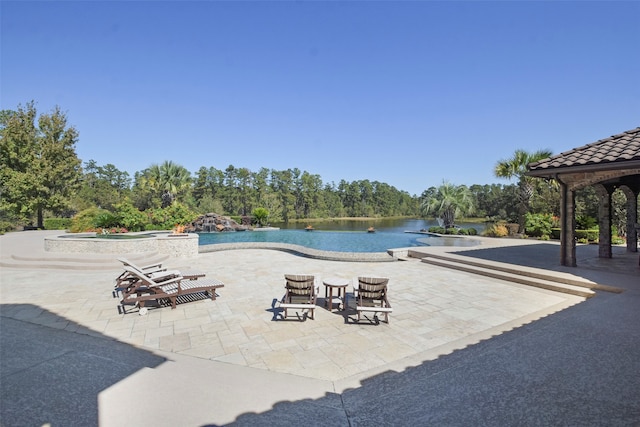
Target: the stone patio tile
(26, 312)
(158, 332)
(282, 361)
(177, 342)
(96, 325)
(189, 323)
(312, 357)
(172, 315)
(235, 358)
(342, 354)
(214, 326)
(207, 351)
(327, 371)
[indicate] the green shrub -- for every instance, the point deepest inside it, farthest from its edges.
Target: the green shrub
(584, 222)
(57, 223)
(169, 217)
(617, 240)
(437, 230)
(86, 220)
(538, 225)
(107, 220)
(130, 217)
(6, 226)
(451, 230)
(261, 216)
(463, 232)
(472, 231)
(589, 235)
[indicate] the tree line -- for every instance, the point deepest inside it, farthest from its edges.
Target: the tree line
(41, 175)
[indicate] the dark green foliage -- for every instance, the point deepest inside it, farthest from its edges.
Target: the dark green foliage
(538, 225)
(585, 222)
(129, 217)
(86, 220)
(39, 168)
(167, 218)
(589, 235)
(107, 220)
(6, 226)
(581, 235)
(57, 223)
(437, 230)
(261, 216)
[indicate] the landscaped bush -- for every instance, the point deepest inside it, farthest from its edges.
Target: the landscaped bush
(584, 222)
(86, 220)
(6, 226)
(437, 230)
(538, 225)
(512, 228)
(167, 218)
(472, 231)
(617, 240)
(260, 216)
(107, 220)
(130, 217)
(57, 223)
(451, 230)
(589, 235)
(496, 230)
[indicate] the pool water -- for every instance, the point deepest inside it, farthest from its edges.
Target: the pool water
(337, 241)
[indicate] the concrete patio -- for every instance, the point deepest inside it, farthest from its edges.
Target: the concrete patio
(459, 349)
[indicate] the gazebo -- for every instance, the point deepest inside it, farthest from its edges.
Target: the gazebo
(607, 164)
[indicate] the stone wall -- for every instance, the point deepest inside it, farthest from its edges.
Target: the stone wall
(182, 246)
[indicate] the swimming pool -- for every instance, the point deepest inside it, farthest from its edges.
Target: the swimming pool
(337, 241)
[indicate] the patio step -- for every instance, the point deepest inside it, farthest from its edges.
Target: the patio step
(557, 282)
(79, 261)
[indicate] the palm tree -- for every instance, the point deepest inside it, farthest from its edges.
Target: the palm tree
(448, 202)
(168, 180)
(516, 167)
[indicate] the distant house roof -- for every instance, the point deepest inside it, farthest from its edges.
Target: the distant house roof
(620, 151)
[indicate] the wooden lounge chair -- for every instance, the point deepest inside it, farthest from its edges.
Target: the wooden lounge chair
(371, 296)
(148, 289)
(156, 271)
(301, 292)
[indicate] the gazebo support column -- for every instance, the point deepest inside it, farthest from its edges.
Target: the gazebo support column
(632, 218)
(604, 221)
(567, 227)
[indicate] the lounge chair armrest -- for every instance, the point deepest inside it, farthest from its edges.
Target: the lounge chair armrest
(152, 268)
(177, 279)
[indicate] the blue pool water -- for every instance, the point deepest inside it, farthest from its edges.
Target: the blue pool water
(337, 241)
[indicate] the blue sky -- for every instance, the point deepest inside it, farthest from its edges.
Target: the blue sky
(408, 93)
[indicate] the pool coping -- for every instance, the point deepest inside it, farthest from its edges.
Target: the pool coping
(304, 251)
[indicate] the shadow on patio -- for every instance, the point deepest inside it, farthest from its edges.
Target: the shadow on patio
(53, 376)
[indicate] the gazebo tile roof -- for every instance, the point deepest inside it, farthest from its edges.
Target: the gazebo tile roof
(621, 147)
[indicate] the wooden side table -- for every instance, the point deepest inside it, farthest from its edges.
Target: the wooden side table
(340, 285)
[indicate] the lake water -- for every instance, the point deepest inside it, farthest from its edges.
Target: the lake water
(347, 235)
